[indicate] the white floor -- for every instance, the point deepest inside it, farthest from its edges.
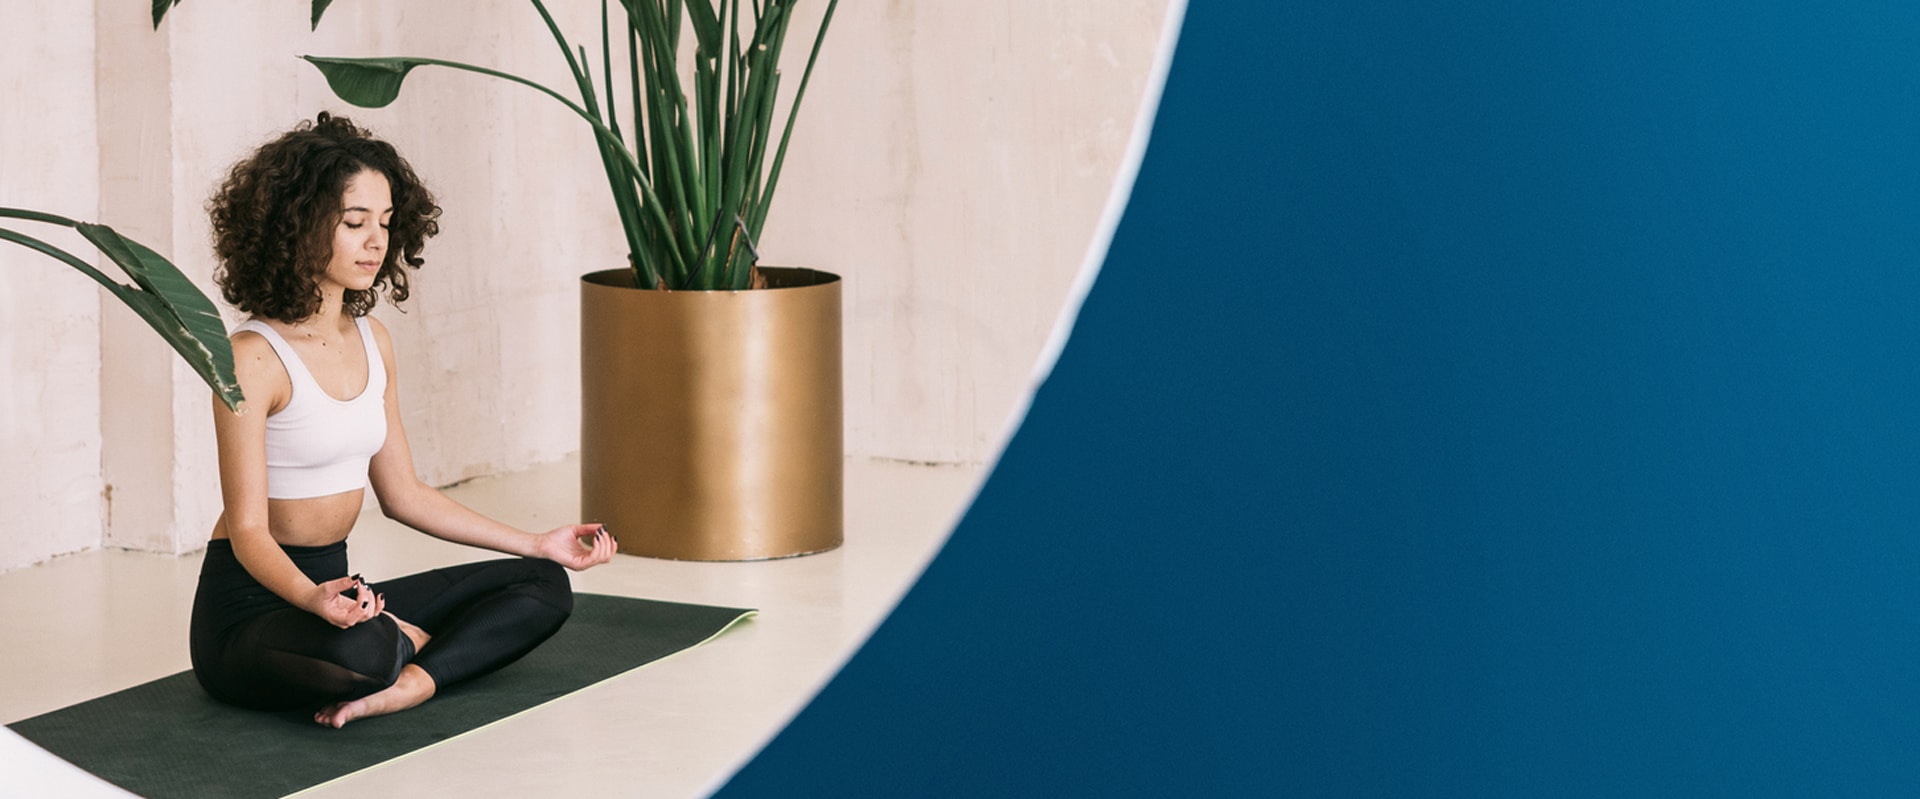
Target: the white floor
(89, 624)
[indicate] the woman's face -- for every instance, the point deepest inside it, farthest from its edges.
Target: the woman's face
(360, 239)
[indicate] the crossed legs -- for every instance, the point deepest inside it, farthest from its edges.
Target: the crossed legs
(441, 627)
(473, 619)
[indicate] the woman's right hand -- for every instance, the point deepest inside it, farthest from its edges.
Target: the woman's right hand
(342, 611)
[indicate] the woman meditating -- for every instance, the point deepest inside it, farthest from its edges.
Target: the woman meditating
(310, 230)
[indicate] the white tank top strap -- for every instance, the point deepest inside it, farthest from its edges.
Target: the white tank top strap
(376, 365)
(297, 373)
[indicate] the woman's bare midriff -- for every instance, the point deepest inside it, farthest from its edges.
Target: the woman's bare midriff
(311, 522)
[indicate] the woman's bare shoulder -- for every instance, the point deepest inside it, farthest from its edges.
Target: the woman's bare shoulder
(258, 368)
(251, 347)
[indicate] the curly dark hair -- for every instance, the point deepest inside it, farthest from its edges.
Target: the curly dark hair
(275, 213)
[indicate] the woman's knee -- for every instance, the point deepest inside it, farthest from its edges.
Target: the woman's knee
(374, 648)
(551, 584)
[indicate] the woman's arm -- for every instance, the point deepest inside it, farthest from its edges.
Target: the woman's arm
(407, 500)
(242, 442)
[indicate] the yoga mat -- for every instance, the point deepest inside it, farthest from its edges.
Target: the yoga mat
(167, 738)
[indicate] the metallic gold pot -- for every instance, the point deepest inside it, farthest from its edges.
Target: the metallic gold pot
(711, 420)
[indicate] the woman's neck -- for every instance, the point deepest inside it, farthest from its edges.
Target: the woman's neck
(332, 301)
(329, 316)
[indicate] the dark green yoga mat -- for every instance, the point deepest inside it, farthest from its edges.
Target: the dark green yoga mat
(167, 738)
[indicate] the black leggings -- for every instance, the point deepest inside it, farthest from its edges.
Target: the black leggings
(251, 648)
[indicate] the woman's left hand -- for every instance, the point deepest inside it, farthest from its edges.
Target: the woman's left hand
(578, 546)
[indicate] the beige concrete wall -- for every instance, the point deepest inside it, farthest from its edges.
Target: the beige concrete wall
(952, 162)
(50, 487)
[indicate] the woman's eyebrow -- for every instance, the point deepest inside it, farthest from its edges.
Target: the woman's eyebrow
(364, 210)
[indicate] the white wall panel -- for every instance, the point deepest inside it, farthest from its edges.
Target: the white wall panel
(50, 482)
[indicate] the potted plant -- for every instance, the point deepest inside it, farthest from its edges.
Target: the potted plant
(711, 385)
(161, 295)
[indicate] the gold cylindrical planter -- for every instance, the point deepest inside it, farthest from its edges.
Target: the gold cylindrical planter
(711, 420)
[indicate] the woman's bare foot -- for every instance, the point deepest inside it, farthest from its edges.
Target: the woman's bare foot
(413, 687)
(418, 635)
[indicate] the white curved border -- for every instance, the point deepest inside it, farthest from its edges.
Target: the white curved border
(1109, 221)
(1049, 354)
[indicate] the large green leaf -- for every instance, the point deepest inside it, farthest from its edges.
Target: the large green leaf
(375, 82)
(170, 303)
(365, 82)
(174, 307)
(160, 8)
(319, 7)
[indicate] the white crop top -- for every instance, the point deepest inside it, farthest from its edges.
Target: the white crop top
(318, 445)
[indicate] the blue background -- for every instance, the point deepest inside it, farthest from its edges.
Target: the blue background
(1498, 398)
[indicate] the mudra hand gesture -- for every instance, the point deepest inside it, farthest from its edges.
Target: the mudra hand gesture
(342, 611)
(578, 546)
